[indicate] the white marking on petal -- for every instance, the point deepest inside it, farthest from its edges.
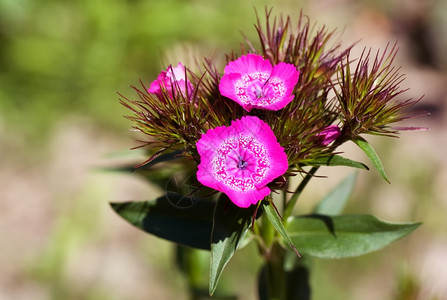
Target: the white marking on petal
(259, 89)
(226, 164)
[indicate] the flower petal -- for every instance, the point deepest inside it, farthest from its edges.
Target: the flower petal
(288, 73)
(240, 160)
(247, 64)
(227, 89)
(177, 73)
(277, 158)
(329, 134)
(249, 198)
(253, 83)
(283, 79)
(172, 80)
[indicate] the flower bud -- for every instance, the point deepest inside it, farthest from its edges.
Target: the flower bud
(329, 134)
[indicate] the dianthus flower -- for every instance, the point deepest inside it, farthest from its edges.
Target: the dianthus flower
(240, 160)
(252, 82)
(170, 80)
(329, 134)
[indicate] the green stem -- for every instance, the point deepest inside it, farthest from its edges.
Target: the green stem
(291, 204)
(275, 274)
(284, 197)
(267, 234)
(286, 276)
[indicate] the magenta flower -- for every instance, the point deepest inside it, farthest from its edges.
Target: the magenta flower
(240, 160)
(252, 82)
(329, 134)
(171, 80)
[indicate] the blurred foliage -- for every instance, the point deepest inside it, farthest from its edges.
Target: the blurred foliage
(59, 58)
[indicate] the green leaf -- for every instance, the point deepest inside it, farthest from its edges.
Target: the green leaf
(230, 226)
(335, 160)
(297, 193)
(189, 225)
(162, 158)
(335, 201)
(277, 223)
(344, 236)
(155, 172)
(372, 155)
(165, 157)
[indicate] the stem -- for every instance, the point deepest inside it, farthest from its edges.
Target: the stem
(267, 233)
(284, 197)
(291, 204)
(285, 276)
(275, 274)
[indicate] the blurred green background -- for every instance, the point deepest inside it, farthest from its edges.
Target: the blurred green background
(61, 64)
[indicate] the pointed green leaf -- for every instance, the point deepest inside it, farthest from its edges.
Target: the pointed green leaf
(165, 157)
(162, 158)
(335, 160)
(297, 193)
(344, 236)
(155, 172)
(372, 155)
(277, 223)
(187, 225)
(230, 226)
(157, 176)
(335, 201)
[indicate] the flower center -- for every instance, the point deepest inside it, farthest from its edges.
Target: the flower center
(260, 89)
(241, 162)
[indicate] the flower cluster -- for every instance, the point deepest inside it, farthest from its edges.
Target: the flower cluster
(270, 112)
(241, 130)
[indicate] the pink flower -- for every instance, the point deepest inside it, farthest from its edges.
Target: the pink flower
(252, 82)
(171, 80)
(329, 134)
(240, 160)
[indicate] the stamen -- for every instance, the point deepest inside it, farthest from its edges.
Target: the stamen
(241, 164)
(258, 91)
